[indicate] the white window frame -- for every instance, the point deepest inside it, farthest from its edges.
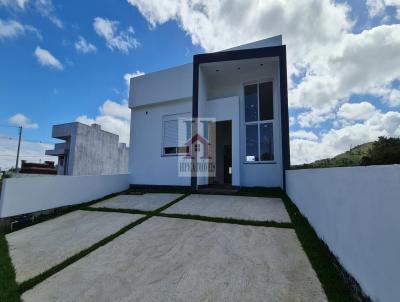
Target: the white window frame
(171, 117)
(259, 122)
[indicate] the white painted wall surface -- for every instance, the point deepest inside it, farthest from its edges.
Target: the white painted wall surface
(273, 41)
(147, 164)
(355, 210)
(26, 195)
(161, 86)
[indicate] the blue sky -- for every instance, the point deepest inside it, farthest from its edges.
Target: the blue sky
(49, 96)
(342, 62)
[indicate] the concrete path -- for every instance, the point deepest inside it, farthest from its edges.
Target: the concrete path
(166, 259)
(38, 248)
(145, 202)
(229, 206)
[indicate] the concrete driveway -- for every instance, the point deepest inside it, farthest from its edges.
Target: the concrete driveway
(182, 259)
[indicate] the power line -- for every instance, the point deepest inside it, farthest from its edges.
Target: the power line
(10, 155)
(27, 140)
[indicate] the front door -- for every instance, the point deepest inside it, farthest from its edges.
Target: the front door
(228, 164)
(223, 156)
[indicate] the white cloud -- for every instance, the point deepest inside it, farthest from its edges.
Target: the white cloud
(30, 151)
(13, 29)
(302, 134)
(114, 117)
(314, 118)
(356, 111)
(216, 25)
(115, 110)
(44, 7)
(336, 141)
(292, 121)
(47, 10)
(14, 3)
(83, 46)
(375, 7)
(378, 7)
(45, 58)
(361, 64)
(115, 39)
(21, 120)
(128, 76)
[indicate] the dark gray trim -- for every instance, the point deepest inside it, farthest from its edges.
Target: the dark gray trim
(276, 51)
(159, 187)
(195, 112)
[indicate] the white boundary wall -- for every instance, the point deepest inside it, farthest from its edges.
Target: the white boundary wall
(31, 194)
(356, 211)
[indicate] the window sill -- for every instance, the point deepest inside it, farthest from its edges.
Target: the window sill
(272, 162)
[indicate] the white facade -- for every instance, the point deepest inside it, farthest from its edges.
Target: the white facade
(220, 95)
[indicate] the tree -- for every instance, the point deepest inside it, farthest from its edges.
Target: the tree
(385, 151)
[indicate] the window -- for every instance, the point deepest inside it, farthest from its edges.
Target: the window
(259, 120)
(171, 136)
(251, 103)
(252, 142)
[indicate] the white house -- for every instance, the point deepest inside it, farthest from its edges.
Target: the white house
(244, 89)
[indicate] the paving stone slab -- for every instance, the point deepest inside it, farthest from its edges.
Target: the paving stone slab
(40, 247)
(230, 206)
(145, 202)
(179, 260)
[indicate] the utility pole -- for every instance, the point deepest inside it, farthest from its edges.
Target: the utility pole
(19, 145)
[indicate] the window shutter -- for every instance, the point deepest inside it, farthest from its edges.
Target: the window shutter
(171, 133)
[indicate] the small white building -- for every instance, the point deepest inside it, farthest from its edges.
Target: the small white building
(88, 150)
(244, 89)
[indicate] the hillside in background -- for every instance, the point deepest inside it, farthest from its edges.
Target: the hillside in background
(384, 151)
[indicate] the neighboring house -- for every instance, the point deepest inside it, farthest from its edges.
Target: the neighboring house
(88, 150)
(38, 168)
(244, 89)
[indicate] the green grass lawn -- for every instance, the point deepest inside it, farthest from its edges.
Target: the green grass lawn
(8, 287)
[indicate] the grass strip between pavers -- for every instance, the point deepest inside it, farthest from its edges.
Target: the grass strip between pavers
(8, 285)
(271, 224)
(28, 284)
(261, 223)
(135, 211)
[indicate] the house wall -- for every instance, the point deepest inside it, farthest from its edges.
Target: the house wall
(252, 174)
(165, 85)
(32, 194)
(96, 152)
(273, 41)
(147, 164)
(90, 150)
(355, 210)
